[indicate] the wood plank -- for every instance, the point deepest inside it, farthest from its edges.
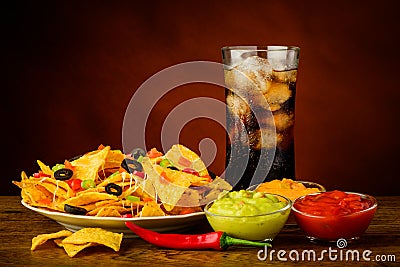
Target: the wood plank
(19, 225)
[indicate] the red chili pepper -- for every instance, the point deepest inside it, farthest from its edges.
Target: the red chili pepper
(215, 240)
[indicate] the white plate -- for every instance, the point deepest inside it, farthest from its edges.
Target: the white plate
(173, 223)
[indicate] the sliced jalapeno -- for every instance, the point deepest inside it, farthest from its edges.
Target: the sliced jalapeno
(88, 183)
(133, 198)
(113, 189)
(63, 174)
(74, 210)
(166, 163)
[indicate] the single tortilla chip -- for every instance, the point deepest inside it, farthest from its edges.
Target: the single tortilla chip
(108, 212)
(45, 169)
(89, 164)
(114, 159)
(151, 208)
(182, 157)
(95, 235)
(73, 249)
(41, 239)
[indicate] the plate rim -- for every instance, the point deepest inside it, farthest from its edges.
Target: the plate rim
(116, 219)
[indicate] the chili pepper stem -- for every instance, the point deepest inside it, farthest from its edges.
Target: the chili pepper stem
(227, 241)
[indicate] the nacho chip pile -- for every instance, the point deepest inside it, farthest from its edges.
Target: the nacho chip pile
(76, 242)
(99, 184)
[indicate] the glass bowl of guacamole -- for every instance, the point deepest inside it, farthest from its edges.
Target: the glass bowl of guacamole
(248, 214)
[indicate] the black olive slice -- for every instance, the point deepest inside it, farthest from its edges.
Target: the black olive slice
(63, 174)
(137, 152)
(212, 175)
(173, 168)
(74, 210)
(131, 165)
(113, 189)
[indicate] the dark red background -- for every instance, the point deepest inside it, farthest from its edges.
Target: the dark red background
(71, 68)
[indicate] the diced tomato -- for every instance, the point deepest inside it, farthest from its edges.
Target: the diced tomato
(153, 153)
(140, 174)
(187, 210)
(128, 215)
(68, 165)
(147, 199)
(191, 171)
(164, 178)
(40, 174)
(44, 201)
(75, 184)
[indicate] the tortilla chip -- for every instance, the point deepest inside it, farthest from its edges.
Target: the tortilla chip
(114, 159)
(87, 166)
(41, 239)
(87, 198)
(108, 212)
(73, 249)
(45, 169)
(182, 157)
(95, 235)
(117, 206)
(168, 192)
(57, 187)
(151, 208)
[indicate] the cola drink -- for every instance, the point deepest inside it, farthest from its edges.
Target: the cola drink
(260, 108)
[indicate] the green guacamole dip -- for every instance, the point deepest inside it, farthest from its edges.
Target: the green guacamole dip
(246, 203)
(248, 214)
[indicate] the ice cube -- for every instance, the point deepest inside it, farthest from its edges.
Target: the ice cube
(278, 57)
(283, 120)
(277, 93)
(265, 138)
(237, 105)
(280, 120)
(285, 76)
(251, 74)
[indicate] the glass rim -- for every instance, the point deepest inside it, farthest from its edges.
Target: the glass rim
(288, 206)
(365, 196)
(261, 48)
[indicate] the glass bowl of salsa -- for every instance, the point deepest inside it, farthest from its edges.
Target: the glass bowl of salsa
(332, 215)
(249, 215)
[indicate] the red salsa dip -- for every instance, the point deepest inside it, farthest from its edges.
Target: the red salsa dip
(334, 214)
(333, 203)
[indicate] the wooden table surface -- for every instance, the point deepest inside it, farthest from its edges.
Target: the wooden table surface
(19, 225)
